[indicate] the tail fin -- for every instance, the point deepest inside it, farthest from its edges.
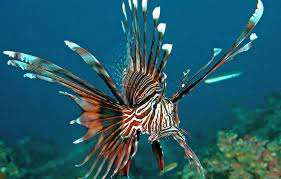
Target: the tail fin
(186, 88)
(138, 54)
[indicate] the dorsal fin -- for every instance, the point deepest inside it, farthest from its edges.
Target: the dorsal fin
(139, 59)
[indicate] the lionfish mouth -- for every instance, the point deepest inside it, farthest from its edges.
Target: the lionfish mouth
(174, 130)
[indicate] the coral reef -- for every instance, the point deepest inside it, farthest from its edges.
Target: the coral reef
(35, 158)
(60, 167)
(251, 149)
(34, 152)
(262, 122)
(7, 168)
(246, 157)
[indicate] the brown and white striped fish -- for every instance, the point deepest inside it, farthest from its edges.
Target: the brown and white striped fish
(142, 108)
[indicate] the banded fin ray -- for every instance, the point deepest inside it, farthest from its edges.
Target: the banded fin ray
(139, 53)
(51, 67)
(229, 55)
(50, 77)
(189, 153)
(143, 68)
(156, 16)
(158, 153)
(96, 65)
(101, 116)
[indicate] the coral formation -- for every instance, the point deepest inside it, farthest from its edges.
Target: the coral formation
(7, 168)
(244, 157)
(34, 158)
(251, 149)
(262, 122)
(34, 152)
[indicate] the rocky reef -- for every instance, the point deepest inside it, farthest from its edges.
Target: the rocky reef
(244, 157)
(251, 149)
(7, 166)
(33, 158)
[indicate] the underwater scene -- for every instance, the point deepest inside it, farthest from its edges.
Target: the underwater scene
(140, 89)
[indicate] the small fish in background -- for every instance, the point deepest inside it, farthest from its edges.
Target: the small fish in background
(222, 77)
(169, 168)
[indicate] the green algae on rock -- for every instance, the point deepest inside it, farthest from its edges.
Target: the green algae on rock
(7, 168)
(250, 149)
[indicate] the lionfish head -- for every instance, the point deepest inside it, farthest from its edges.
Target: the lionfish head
(170, 121)
(170, 127)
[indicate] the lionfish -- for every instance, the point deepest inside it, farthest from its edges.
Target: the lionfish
(143, 107)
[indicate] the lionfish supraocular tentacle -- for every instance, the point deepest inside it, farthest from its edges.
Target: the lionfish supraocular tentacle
(143, 108)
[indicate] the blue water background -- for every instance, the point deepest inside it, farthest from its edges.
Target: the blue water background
(35, 108)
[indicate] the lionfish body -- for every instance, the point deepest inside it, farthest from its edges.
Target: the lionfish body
(142, 108)
(150, 110)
